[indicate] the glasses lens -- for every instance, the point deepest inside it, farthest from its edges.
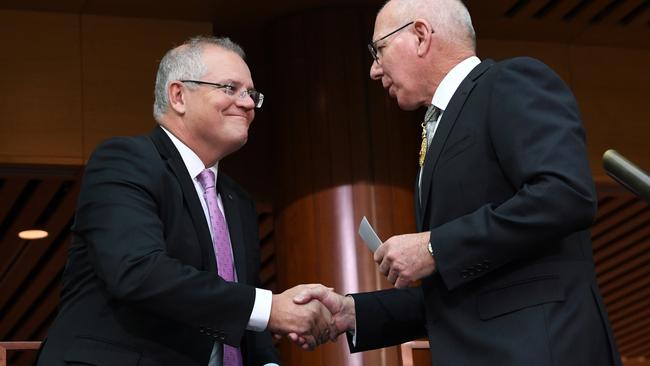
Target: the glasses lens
(257, 97)
(373, 51)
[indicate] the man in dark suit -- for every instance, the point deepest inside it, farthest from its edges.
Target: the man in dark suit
(504, 201)
(164, 262)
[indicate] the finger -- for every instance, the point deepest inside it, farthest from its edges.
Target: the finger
(379, 253)
(401, 282)
(310, 341)
(294, 337)
(309, 294)
(277, 336)
(384, 267)
(392, 276)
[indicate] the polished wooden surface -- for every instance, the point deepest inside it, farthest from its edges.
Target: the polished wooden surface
(15, 346)
(342, 151)
(415, 353)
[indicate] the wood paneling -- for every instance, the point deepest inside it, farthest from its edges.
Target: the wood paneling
(339, 156)
(41, 83)
(611, 86)
(120, 59)
(73, 80)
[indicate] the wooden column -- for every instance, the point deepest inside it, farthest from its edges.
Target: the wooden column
(342, 150)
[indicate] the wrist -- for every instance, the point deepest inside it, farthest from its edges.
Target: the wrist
(349, 312)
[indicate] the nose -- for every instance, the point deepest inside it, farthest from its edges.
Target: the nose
(376, 71)
(245, 102)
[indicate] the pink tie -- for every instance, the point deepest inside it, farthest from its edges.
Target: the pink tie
(222, 250)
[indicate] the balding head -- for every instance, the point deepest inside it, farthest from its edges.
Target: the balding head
(416, 43)
(449, 18)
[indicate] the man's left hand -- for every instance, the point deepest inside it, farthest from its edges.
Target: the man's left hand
(405, 258)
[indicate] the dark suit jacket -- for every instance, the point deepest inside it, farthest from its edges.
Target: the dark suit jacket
(140, 285)
(508, 198)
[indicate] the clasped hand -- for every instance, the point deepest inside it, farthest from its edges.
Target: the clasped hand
(311, 315)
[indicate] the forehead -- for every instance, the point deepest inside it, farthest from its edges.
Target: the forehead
(384, 22)
(224, 65)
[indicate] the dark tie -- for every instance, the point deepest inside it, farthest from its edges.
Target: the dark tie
(222, 249)
(428, 126)
(430, 119)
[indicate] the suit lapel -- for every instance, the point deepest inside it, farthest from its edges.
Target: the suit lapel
(175, 162)
(233, 218)
(445, 126)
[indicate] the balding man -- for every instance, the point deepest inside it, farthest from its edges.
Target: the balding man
(504, 201)
(163, 268)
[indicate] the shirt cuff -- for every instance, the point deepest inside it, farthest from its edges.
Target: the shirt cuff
(353, 333)
(261, 311)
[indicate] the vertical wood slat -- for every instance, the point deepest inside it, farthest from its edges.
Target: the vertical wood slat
(27, 265)
(561, 9)
(8, 195)
(590, 10)
(622, 255)
(615, 16)
(12, 245)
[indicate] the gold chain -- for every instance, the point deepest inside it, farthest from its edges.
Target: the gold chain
(423, 146)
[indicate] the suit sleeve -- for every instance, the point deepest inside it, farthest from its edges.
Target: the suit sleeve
(536, 132)
(118, 217)
(388, 317)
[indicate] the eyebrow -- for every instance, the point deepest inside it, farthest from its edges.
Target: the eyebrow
(235, 83)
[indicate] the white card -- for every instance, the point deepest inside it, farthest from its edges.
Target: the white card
(369, 235)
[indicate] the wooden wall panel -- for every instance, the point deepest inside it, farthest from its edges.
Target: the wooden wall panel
(611, 85)
(120, 58)
(613, 88)
(72, 80)
(41, 88)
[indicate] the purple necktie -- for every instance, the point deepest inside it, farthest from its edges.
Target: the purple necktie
(222, 250)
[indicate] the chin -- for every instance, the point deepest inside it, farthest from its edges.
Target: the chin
(407, 105)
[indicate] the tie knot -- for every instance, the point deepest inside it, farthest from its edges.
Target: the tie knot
(206, 178)
(432, 114)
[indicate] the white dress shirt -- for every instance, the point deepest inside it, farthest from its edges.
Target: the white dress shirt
(259, 318)
(445, 91)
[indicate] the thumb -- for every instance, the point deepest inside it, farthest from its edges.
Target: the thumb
(307, 295)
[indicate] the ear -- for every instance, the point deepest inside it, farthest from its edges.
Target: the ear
(176, 96)
(423, 31)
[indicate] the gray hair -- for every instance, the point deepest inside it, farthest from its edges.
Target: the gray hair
(450, 19)
(185, 62)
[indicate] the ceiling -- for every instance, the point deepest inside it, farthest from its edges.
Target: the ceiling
(617, 23)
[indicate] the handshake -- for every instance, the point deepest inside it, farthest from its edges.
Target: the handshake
(311, 315)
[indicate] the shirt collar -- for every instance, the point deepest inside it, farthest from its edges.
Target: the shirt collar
(192, 161)
(452, 81)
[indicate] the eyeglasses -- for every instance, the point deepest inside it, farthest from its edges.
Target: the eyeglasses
(372, 46)
(257, 97)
